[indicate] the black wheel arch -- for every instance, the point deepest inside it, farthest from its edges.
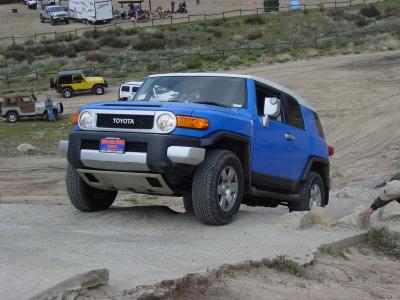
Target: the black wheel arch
(322, 167)
(238, 144)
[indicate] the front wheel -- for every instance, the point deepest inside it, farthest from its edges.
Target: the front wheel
(98, 90)
(312, 193)
(84, 197)
(12, 117)
(218, 185)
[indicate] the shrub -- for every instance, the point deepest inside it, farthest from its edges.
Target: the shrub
(255, 35)
(254, 20)
(116, 42)
(177, 41)
(131, 31)
(149, 44)
(84, 44)
(96, 56)
(178, 67)
(361, 21)
(370, 11)
(18, 55)
(194, 63)
(233, 60)
(217, 22)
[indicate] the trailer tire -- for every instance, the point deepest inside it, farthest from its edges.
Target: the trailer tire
(84, 197)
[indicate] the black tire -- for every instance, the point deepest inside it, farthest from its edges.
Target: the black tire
(41, 19)
(188, 203)
(84, 197)
(12, 117)
(303, 203)
(53, 22)
(66, 21)
(205, 187)
(67, 93)
(98, 90)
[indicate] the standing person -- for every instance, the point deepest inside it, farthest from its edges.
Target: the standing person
(49, 108)
(173, 6)
(388, 193)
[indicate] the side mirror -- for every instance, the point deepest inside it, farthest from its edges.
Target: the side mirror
(272, 109)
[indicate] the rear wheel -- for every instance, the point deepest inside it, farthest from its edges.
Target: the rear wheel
(67, 93)
(84, 197)
(12, 117)
(98, 90)
(312, 193)
(218, 186)
(53, 22)
(41, 19)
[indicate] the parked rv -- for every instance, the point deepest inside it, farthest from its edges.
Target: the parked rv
(91, 11)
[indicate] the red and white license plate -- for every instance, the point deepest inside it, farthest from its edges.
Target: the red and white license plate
(112, 145)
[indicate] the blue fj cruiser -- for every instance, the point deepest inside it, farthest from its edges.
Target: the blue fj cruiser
(218, 140)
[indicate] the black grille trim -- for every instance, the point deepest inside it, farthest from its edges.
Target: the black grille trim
(129, 146)
(140, 121)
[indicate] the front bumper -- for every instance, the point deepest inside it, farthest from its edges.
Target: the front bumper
(164, 154)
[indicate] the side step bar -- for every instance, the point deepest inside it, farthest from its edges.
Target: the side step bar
(274, 196)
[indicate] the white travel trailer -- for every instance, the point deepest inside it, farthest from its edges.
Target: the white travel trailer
(91, 11)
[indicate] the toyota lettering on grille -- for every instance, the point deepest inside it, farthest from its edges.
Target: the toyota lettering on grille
(123, 121)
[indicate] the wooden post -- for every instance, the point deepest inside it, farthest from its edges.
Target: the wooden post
(152, 22)
(171, 19)
(189, 18)
(13, 39)
(35, 38)
(205, 17)
(37, 75)
(240, 12)
(150, 6)
(8, 82)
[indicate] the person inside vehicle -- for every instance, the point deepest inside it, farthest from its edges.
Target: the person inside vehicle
(49, 108)
(388, 193)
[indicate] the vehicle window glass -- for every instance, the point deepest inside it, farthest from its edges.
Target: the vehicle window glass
(77, 78)
(318, 124)
(26, 99)
(294, 116)
(125, 88)
(213, 90)
(263, 92)
(135, 89)
(12, 101)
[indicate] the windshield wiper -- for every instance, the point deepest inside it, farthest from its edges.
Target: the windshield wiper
(211, 103)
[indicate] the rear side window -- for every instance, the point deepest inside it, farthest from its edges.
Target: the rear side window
(135, 89)
(318, 125)
(125, 88)
(294, 116)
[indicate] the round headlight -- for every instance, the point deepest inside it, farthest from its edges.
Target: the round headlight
(85, 119)
(165, 122)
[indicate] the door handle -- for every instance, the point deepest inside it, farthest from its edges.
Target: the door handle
(290, 137)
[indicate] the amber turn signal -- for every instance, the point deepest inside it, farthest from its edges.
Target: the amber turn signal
(75, 118)
(193, 123)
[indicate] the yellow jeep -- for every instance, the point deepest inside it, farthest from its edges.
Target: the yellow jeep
(73, 82)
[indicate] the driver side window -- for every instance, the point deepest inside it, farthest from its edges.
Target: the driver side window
(263, 92)
(77, 78)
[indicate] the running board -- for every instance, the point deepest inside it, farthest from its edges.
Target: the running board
(274, 196)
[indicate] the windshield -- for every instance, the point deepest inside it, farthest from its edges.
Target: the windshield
(58, 9)
(213, 90)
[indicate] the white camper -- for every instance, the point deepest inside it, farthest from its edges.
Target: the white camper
(91, 11)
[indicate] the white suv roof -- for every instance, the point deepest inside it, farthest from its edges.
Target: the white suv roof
(262, 80)
(132, 83)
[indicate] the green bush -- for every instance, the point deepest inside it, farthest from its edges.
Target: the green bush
(96, 56)
(131, 31)
(149, 44)
(84, 44)
(370, 11)
(255, 35)
(194, 63)
(254, 20)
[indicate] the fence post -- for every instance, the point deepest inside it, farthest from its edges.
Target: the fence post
(223, 16)
(13, 38)
(335, 5)
(350, 2)
(205, 17)
(257, 10)
(240, 12)
(171, 17)
(8, 82)
(35, 38)
(152, 22)
(189, 18)
(115, 26)
(37, 75)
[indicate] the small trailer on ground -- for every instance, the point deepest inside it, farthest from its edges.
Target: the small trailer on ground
(91, 11)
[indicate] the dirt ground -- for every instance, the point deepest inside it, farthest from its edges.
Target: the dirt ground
(26, 22)
(364, 274)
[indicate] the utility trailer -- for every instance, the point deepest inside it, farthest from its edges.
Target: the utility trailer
(91, 11)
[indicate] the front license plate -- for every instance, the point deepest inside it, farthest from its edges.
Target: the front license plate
(112, 145)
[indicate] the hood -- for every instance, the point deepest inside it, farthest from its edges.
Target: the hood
(95, 79)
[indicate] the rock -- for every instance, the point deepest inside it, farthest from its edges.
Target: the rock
(71, 287)
(354, 219)
(25, 148)
(390, 211)
(343, 194)
(292, 220)
(317, 216)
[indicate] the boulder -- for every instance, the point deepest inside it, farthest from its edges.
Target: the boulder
(25, 148)
(72, 287)
(354, 219)
(317, 216)
(390, 211)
